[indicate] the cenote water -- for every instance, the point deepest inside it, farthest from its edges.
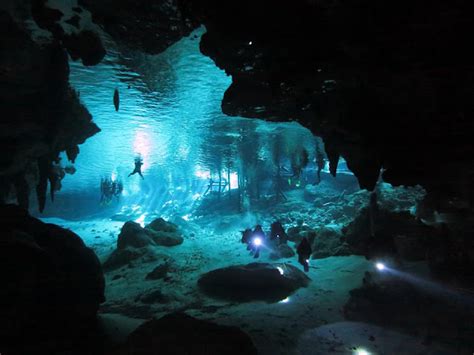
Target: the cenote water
(211, 176)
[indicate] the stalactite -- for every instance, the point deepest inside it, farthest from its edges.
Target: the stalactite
(72, 153)
(333, 157)
(41, 188)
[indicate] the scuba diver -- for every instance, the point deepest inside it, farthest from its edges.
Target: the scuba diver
(108, 189)
(304, 252)
(278, 233)
(256, 239)
(373, 211)
(247, 238)
(138, 167)
(105, 190)
(320, 162)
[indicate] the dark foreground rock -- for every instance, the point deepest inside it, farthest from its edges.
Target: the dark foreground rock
(253, 282)
(421, 308)
(180, 334)
(52, 285)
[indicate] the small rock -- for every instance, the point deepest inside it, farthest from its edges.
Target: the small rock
(158, 272)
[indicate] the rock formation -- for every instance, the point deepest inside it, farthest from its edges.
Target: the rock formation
(41, 114)
(52, 286)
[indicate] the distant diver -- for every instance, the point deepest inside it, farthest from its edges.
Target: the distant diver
(304, 252)
(247, 238)
(116, 100)
(257, 238)
(320, 162)
(138, 167)
(373, 211)
(278, 233)
(108, 189)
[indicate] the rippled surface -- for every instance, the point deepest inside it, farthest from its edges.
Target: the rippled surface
(169, 113)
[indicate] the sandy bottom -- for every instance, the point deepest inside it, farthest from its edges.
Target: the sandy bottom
(309, 322)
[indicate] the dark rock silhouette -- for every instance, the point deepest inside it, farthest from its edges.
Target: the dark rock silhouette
(52, 286)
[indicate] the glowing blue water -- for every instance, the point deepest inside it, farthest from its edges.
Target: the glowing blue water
(169, 113)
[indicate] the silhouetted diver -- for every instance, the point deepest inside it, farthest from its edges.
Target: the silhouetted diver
(138, 167)
(116, 100)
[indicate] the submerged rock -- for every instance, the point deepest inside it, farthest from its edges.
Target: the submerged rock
(133, 235)
(164, 233)
(136, 243)
(329, 242)
(421, 308)
(297, 233)
(52, 286)
(166, 239)
(128, 256)
(180, 334)
(253, 282)
(159, 272)
(393, 233)
(160, 225)
(282, 251)
(155, 296)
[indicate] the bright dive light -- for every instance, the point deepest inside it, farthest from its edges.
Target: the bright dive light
(257, 241)
(280, 270)
(361, 352)
(380, 266)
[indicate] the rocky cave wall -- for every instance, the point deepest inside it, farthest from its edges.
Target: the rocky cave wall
(41, 114)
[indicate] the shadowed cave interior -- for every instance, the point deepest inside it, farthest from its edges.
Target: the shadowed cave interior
(244, 177)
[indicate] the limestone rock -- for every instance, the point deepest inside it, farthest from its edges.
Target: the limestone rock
(154, 296)
(52, 284)
(158, 272)
(133, 235)
(160, 225)
(164, 233)
(329, 242)
(251, 282)
(180, 334)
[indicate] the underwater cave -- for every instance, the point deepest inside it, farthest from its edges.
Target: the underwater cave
(244, 177)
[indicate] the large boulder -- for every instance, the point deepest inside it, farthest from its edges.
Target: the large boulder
(394, 233)
(180, 334)
(160, 225)
(297, 233)
(396, 303)
(164, 233)
(253, 282)
(133, 235)
(329, 241)
(52, 286)
(135, 243)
